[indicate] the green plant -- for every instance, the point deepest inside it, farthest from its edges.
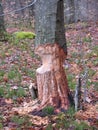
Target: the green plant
(49, 127)
(49, 110)
(14, 93)
(19, 120)
(81, 126)
(1, 121)
(1, 126)
(87, 39)
(2, 91)
(95, 84)
(95, 62)
(65, 120)
(95, 50)
(11, 74)
(20, 92)
(71, 82)
(14, 74)
(3, 62)
(31, 73)
(91, 72)
(5, 36)
(2, 72)
(62, 121)
(70, 112)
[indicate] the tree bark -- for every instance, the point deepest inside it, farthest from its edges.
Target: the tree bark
(2, 27)
(69, 11)
(51, 47)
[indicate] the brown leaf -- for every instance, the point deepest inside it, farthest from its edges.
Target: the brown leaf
(9, 101)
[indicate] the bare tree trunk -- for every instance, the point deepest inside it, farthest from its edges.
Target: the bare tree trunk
(51, 47)
(69, 11)
(2, 27)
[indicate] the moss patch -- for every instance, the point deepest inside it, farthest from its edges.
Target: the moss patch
(24, 35)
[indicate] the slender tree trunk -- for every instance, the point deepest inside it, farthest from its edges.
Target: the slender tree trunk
(2, 27)
(51, 47)
(69, 11)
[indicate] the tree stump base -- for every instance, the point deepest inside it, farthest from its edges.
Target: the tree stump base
(51, 79)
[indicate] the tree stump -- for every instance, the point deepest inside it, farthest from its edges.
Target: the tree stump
(51, 78)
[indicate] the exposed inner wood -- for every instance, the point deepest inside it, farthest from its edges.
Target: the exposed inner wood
(51, 78)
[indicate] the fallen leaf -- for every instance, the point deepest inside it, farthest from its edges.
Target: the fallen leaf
(9, 101)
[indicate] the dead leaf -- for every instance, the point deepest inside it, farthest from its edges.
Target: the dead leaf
(9, 101)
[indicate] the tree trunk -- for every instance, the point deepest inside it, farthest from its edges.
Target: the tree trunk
(69, 11)
(51, 47)
(86, 10)
(2, 27)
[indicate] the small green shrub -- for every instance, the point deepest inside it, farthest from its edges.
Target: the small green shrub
(67, 121)
(49, 127)
(1, 121)
(87, 39)
(11, 74)
(62, 121)
(49, 110)
(21, 120)
(5, 36)
(11, 93)
(71, 112)
(1, 126)
(20, 92)
(91, 72)
(18, 120)
(81, 126)
(31, 73)
(2, 72)
(14, 74)
(71, 82)
(1, 91)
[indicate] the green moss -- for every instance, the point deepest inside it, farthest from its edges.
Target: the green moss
(24, 35)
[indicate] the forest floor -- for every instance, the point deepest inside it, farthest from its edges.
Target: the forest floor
(18, 64)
